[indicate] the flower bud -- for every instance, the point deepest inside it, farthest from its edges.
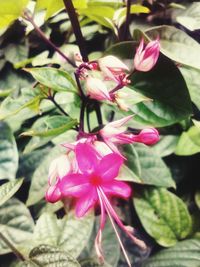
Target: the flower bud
(146, 58)
(96, 89)
(147, 136)
(112, 67)
(53, 194)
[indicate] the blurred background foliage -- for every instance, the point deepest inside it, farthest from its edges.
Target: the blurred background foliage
(32, 127)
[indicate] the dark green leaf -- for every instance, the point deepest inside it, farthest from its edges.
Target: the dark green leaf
(8, 189)
(8, 153)
(163, 215)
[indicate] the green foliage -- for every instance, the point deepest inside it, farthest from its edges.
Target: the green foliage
(55, 79)
(146, 168)
(185, 254)
(163, 215)
(8, 153)
(16, 224)
(8, 189)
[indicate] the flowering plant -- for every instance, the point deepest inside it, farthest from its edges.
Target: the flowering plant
(94, 115)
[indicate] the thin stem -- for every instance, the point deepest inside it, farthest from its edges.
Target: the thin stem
(49, 42)
(82, 95)
(118, 87)
(98, 113)
(82, 113)
(126, 27)
(88, 119)
(10, 245)
(52, 99)
(76, 28)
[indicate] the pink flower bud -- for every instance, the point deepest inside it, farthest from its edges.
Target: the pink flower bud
(112, 67)
(147, 136)
(146, 58)
(53, 194)
(96, 89)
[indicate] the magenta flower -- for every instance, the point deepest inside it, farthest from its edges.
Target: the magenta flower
(115, 133)
(146, 58)
(94, 183)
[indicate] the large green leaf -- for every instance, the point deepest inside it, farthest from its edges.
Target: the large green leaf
(163, 215)
(10, 10)
(146, 167)
(192, 78)
(183, 254)
(50, 256)
(52, 126)
(8, 189)
(16, 224)
(189, 17)
(164, 84)
(56, 79)
(8, 153)
(69, 234)
(40, 178)
(189, 142)
(166, 145)
(177, 45)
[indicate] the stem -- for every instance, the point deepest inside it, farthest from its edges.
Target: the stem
(82, 95)
(52, 99)
(49, 42)
(81, 127)
(88, 119)
(98, 113)
(76, 28)
(126, 27)
(119, 86)
(10, 245)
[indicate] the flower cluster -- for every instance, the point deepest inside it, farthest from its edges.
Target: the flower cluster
(88, 171)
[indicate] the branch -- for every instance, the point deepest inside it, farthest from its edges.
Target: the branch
(10, 245)
(42, 35)
(126, 27)
(76, 28)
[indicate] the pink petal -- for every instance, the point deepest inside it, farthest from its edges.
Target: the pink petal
(75, 185)
(87, 158)
(53, 194)
(109, 166)
(86, 202)
(117, 188)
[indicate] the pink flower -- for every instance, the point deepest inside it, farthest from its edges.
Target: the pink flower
(97, 89)
(94, 183)
(146, 58)
(148, 136)
(115, 133)
(113, 68)
(59, 167)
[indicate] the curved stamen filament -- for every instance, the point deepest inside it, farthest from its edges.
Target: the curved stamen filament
(137, 241)
(98, 239)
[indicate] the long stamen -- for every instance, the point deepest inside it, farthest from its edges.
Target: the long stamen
(98, 239)
(116, 232)
(137, 241)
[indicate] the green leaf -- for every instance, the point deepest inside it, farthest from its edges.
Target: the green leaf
(69, 234)
(190, 17)
(56, 79)
(120, 14)
(16, 224)
(50, 256)
(10, 10)
(177, 45)
(8, 153)
(53, 126)
(192, 78)
(197, 198)
(163, 215)
(15, 53)
(40, 178)
(146, 167)
(189, 142)
(170, 98)
(183, 254)
(8, 189)
(166, 145)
